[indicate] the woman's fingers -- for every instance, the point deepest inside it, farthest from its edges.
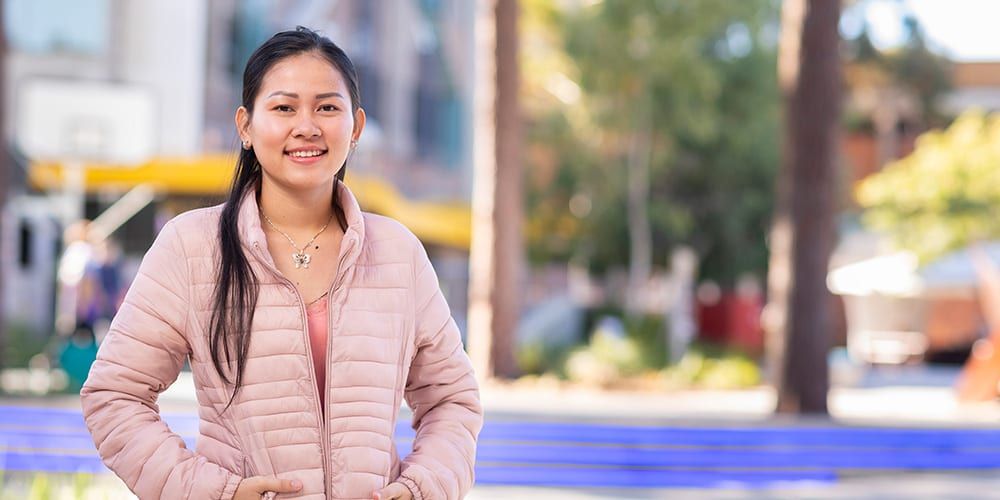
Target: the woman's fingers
(277, 485)
(280, 485)
(254, 488)
(395, 491)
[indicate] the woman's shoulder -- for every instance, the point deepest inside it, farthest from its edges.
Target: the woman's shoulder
(389, 236)
(194, 230)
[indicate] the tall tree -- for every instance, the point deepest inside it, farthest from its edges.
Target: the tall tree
(497, 251)
(681, 92)
(653, 77)
(799, 320)
(4, 184)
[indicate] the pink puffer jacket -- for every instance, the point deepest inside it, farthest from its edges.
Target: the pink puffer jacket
(391, 336)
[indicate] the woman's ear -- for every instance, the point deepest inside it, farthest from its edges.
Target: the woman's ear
(359, 124)
(243, 123)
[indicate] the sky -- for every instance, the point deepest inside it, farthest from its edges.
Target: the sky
(964, 30)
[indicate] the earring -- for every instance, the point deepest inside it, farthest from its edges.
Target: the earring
(354, 143)
(246, 145)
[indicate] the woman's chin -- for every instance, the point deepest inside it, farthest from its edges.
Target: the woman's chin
(306, 181)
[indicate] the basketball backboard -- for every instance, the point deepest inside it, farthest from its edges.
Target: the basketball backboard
(83, 121)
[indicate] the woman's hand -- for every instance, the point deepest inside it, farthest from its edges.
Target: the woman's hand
(252, 488)
(395, 491)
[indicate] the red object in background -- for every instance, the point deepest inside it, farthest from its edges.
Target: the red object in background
(733, 321)
(861, 151)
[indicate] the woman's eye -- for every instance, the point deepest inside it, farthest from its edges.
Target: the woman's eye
(328, 108)
(283, 108)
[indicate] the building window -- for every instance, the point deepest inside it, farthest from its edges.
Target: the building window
(24, 236)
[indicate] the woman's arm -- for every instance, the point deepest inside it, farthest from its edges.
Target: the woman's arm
(443, 393)
(139, 358)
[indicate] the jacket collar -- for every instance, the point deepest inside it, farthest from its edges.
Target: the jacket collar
(252, 232)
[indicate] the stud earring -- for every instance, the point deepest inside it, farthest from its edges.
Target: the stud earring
(354, 143)
(246, 145)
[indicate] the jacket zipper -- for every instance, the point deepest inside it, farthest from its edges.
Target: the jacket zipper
(337, 281)
(247, 469)
(321, 413)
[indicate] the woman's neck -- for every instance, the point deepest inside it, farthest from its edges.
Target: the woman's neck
(296, 212)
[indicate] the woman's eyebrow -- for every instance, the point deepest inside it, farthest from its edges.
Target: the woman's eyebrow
(296, 96)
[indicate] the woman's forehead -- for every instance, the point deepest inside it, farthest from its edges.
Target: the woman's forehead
(305, 75)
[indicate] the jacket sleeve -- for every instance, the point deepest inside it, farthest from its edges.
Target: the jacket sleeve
(141, 356)
(441, 390)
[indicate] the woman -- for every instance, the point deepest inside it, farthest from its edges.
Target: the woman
(304, 320)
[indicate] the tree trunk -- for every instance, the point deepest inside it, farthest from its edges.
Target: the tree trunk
(497, 251)
(4, 188)
(798, 319)
(640, 233)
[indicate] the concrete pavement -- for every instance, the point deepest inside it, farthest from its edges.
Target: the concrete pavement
(876, 487)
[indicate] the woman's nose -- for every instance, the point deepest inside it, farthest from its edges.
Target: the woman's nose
(306, 127)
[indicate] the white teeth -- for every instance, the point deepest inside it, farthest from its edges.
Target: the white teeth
(305, 154)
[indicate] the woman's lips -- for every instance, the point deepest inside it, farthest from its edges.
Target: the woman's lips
(306, 160)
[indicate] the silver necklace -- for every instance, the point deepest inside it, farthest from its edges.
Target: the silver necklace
(300, 258)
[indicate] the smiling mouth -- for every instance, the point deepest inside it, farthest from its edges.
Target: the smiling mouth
(305, 154)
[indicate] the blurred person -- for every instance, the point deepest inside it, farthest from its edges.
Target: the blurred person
(305, 320)
(102, 278)
(89, 278)
(107, 269)
(90, 300)
(73, 291)
(77, 354)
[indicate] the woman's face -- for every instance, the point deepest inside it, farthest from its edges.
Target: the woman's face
(302, 124)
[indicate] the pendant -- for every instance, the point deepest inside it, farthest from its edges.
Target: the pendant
(301, 259)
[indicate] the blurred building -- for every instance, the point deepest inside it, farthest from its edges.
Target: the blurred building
(895, 310)
(115, 44)
(976, 86)
(884, 119)
(414, 58)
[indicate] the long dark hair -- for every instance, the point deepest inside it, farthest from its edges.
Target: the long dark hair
(236, 289)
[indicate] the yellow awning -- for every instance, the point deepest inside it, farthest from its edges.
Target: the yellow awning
(447, 224)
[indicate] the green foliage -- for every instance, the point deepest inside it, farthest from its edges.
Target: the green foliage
(638, 356)
(705, 73)
(911, 66)
(925, 73)
(726, 182)
(41, 488)
(604, 361)
(945, 195)
(712, 368)
(611, 361)
(536, 358)
(81, 483)
(16, 485)
(648, 332)
(21, 344)
(611, 356)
